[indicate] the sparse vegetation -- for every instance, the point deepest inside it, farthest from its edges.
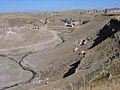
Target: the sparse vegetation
(46, 54)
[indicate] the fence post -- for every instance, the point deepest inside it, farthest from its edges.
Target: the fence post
(102, 66)
(109, 60)
(94, 71)
(71, 86)
(84, 80)
(118, 54)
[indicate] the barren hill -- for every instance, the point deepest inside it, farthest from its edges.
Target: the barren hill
(57, 51)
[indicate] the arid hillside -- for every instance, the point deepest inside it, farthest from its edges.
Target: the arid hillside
(72, 50)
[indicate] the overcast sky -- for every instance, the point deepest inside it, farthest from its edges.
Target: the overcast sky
(55, 5)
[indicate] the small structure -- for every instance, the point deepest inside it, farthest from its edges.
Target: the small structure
(76, 48)
(69, 24)
(37, 81)
(44, 21)
(30, 26)
(10, 32)
(82, 53)
(83, 41)
(47, 80)
(109, 76)
(36, 27)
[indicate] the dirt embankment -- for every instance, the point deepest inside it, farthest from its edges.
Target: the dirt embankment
(84, 48)
(101, 47)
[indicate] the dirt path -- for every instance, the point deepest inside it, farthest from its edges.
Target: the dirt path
(27, 72)
(39, 46)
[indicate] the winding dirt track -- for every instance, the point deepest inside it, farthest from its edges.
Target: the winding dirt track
(39, 46)
(25, 72)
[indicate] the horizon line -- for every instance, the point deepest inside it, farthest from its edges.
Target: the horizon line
(40, 11)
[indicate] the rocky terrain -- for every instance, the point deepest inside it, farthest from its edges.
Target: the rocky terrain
(58, 50)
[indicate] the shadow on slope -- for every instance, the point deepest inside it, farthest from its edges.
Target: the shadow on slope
(110, 14)
(108, 30)
(72, 69)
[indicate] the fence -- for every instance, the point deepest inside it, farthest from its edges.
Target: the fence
(90, 77)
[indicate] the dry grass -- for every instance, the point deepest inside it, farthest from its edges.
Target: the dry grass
(102, 82)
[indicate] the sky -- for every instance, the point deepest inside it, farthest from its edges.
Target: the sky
(55, 5)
